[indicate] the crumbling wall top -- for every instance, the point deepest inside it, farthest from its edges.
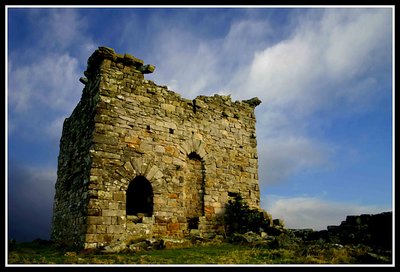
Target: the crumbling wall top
(127, 60)
(200, 101)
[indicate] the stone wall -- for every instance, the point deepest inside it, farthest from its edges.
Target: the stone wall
(73, 173)
(132, 142)
(368, 229)
(375, 230)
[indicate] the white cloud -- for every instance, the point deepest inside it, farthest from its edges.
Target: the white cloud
(324, 62)
(62, 29)
(282, 157)
(43, 80)
(244, 37)
(43, 93)
(194, 66)
(52, 82)
(355, 40)
(313, 212)
(187, 65)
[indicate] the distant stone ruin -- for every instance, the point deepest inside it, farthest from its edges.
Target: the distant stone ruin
(138, 160)
(375, 230)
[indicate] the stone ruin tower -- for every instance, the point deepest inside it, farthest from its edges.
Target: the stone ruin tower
(138, 160)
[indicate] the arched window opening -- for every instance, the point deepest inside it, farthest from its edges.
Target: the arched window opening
(139, 197)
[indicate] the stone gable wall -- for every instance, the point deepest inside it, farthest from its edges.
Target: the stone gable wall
(73, 172)
(192, 153)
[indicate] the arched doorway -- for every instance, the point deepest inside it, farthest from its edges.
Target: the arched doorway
(139, 197)
(194, 186)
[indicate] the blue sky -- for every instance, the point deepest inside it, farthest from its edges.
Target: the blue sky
(324, 75)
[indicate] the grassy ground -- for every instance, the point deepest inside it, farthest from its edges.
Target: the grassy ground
(225, 253)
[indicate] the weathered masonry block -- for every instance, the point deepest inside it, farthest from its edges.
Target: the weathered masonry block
(138, 160)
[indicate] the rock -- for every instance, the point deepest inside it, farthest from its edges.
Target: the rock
(209, 235)
(304, 234)
(70, 254)
(249, 238)
(194, 232)
(106, 50)
(157, 244)
(176, 243)
(83, 80)
(253, 101)
(284, 240)
(140, 246)
(116, 247)
(278, 223)
(274, 231)
(147, 69)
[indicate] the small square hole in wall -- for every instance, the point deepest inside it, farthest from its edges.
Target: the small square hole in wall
(148, 127)
(193, 222)
(171, 131)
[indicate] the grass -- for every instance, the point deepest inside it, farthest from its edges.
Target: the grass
(224, 253)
